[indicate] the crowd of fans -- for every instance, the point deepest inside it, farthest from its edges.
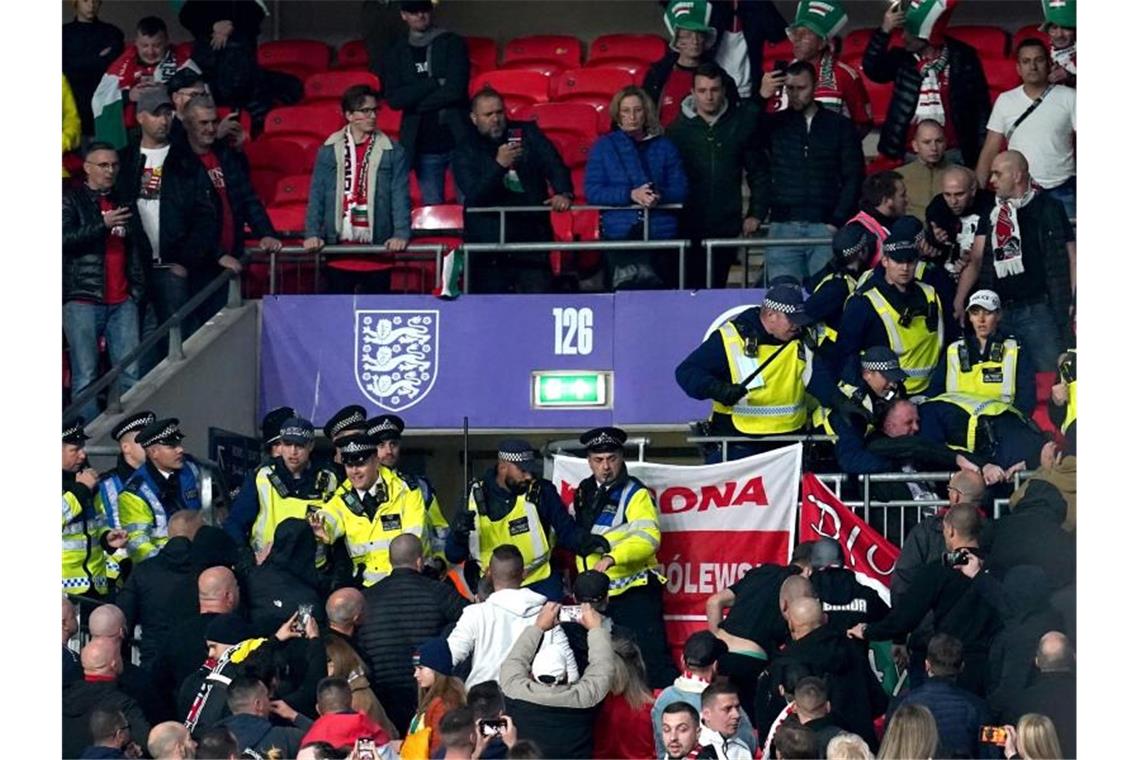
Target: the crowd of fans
(337, 610)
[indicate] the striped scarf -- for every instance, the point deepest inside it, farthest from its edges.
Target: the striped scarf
(1066, 58)
(355, 227)
(930, 105)
(1005, 236)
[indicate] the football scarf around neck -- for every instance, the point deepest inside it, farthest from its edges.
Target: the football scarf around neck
(930, 105)
(1005, 235)
(1066, 58)
(355, 226)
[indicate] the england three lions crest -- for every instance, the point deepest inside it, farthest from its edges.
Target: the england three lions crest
(396, 356)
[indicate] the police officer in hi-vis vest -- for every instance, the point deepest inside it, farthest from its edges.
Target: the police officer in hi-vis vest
(289, 485)
(986, 427)
(369, 509)
(86, 538)
(758, 372)
(987, 361)
(513, 504)
(131, 457)
(388, 430)
(1063, 399)
(894, 309)
(831, 286)
(613, 504)
(165, 484)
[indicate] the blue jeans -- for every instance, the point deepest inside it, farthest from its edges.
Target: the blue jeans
(1033, 323)
(799, 261)
(84, 324)
(166, 294)
(1066, 193)
(431, 168)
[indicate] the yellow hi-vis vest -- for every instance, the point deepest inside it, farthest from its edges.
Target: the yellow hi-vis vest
(84, 561)
(367, 540)
(274, 506)
(995, 376)
(917, 347)
(827, 331)
(821, 417)
(1071, 408)
(631, 527)
(919, 272)
(976, 407)
(521, 528)
(776, 399)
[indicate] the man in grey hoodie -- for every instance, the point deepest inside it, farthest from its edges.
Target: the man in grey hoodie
(557, 715)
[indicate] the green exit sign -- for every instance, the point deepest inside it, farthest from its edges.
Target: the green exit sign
(570, 390)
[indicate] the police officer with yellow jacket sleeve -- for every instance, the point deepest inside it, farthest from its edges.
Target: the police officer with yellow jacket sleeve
(369, 509)
(167, 483)
(289, 485)
(830, 287)
(513, 504)
(388, 430)
(987, 428)
(111, 484)
(618, 507)
(894, 309)
(86, 538)
(987, 361)
(758, 372)
(1063, 399)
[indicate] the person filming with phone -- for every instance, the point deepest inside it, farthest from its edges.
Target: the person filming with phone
(947, 588)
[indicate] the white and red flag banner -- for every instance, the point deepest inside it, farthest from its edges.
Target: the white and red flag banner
(718, 521)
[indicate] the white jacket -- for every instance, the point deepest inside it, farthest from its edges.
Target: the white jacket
(729, 748)
(487, 631)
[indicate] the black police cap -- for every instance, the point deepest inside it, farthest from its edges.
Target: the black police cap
(386, 427)
(73, 431)
(164, 431)
(136, 421)
(349, 418)
(603, 440)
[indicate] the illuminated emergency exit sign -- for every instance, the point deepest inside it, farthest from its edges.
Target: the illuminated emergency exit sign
(570, 390)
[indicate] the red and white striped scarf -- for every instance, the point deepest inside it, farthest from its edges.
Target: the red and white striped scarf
(355, 227)
(1005, 235)
(930, 105)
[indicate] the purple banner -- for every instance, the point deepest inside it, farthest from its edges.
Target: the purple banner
(433, 361)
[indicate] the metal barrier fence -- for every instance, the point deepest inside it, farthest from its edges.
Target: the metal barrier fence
(751, 242)
(297, 253)
(502, 211)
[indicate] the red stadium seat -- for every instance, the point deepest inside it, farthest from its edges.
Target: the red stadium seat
(482, 53)
(550, 69)
(1001, 75)
(516, 87)
(183, 50)
(989, 41)
(635, 67)
(450, 194)
(578, 180)
(881, 163)
(317, 121)
(592, 83)
(568, 118)
(561, 49)
(292, 190)
(330, 85)
(880, 97)
(1044, 383)
(388, 121)
(288, 219)
(443, 217)
(293, 56)
(243, 118)
(414, 277)
(352, 55)
(1025, 33)
(575, 226)
(855, 43)
(641, 47)
(573, 148)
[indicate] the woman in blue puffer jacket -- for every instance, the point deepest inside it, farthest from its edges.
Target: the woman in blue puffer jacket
(635, 164)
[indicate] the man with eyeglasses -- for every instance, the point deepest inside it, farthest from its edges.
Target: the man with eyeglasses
(184, 85)
(104, 280)
(110, 734)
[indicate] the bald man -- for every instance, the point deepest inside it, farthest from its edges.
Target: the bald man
(923, 175)
(185, 649)
(107, 622)
(162, 592)
(953, 216)
(71, 669)
(102, 665)
(1026, 252)
(170, 741)
(345, 610)
(1053, 692)
(856, 696)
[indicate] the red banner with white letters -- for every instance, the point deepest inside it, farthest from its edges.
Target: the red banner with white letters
(868, 554)
(718, 521)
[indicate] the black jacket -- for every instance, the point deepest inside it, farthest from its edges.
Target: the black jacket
(232, 72)
(443, 96)
(755, 614)
(81, 697)
(85, 247)
(761, 23)
(258, 734)
(969, 106)
(184, 651)
(481, 180)
(846, 601)
(88, 49)
(1053, 694)
(809, 176)
(159, 595)
(1031, 535)
(854, 691)
(401, 612)
(560, 731)
(286, 579)
(959, 714)
(245, 206)
(188, 221)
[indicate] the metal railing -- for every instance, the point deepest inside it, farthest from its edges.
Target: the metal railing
(751, 242)
(724, 440)
(170, 330)
(502, 211)
(298, 253)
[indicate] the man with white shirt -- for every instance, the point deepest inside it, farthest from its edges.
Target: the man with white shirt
(1039, 120)
(174, 206)
(487, 631)
(720, 718)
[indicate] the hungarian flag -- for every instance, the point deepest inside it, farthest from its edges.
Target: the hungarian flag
(113, 114)
(449, 277)
(870, 556)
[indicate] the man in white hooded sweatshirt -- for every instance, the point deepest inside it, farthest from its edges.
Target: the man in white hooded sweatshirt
(487, 631)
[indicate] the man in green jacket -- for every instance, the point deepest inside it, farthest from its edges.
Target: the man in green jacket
(716, 140)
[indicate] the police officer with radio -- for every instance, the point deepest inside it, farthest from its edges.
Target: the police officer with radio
(852, 249)
(131, 457)
(288, 486)
(987, 361)
(758, 371)
(614, 505)
(513, 504)
(958, 605)
(388, 430)
(861, 401)
(892, 308)
(348, 420)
